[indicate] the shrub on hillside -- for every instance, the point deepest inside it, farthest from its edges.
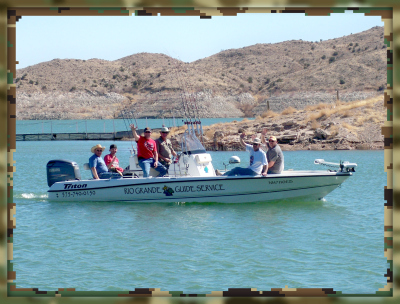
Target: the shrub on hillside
(332, 59)
(289, 110)
(269, 113)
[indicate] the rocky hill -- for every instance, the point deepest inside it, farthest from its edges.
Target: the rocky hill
(233, 83)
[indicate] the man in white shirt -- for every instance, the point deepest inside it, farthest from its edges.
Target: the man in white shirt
(258, 160)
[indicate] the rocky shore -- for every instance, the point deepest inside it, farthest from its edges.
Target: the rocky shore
(340, 126)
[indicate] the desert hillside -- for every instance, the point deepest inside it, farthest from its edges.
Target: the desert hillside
(233, 83)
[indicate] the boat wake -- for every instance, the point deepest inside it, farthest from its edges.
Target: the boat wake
(31, 196)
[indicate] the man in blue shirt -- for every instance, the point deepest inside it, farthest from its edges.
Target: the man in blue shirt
(97, 164)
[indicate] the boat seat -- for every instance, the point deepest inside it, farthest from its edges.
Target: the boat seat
(86, 166)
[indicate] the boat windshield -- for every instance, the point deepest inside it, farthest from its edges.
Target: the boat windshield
(191, 144)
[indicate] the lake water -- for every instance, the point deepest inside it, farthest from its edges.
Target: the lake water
(103, 125)
(198, 248)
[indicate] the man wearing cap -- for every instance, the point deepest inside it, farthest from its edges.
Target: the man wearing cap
(258, 160)
(112, 161)
(96, 163)
(164, 148)
(274, 154)
(147, 152)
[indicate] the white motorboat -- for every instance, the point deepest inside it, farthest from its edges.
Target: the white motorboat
(192, 178)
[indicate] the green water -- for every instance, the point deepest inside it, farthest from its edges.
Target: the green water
(198, 248)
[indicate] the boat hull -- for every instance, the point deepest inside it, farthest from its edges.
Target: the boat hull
(309, 185)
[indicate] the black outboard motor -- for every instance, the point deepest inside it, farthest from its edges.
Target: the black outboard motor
(60, 170)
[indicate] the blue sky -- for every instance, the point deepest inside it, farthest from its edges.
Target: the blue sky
(42, 39)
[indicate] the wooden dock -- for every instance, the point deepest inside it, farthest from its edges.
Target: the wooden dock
(75, 136)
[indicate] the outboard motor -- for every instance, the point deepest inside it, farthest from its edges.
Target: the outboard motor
(62, 170)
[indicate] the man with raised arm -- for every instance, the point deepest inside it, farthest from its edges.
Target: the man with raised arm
(147, 152)
(258, 160)
(274, 153)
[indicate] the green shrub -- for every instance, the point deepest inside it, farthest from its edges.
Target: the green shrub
(323, 57)
(30, 81)
(335, 54)
(342, 81)
(250, 79)
(332, 59)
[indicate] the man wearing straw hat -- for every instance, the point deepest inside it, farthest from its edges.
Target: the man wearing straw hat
(258, 160)
(164, 148)
(97, 164)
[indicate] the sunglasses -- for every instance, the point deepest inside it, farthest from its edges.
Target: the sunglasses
(255, 144)
(147, 132)
(271, 140)
(99, 150)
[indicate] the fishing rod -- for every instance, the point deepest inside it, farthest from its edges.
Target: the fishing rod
(188, 119)
(190, 106)
(127, 126)
(195, 110)
(186, 108)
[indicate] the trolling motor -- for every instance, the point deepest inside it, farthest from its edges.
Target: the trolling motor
(344, 166)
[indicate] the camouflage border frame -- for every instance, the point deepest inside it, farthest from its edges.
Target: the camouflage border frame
(15, 13)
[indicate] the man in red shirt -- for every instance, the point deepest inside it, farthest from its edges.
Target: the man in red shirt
(147, 153)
